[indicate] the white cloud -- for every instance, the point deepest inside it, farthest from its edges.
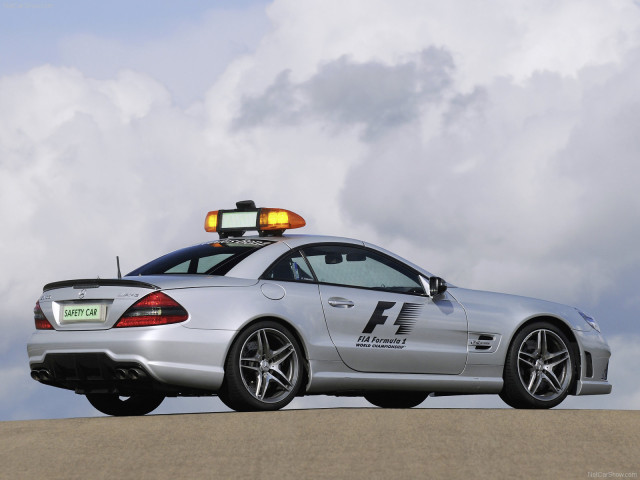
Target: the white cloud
(347, 94)
(514, 180)
(505, 38)
(500, 163)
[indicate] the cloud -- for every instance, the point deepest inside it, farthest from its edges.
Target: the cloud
(345, 93)
(80, 160)
(508, 38)
(91, 169)
(512, 179)
(496, 164)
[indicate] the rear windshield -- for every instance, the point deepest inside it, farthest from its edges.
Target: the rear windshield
(207, 259)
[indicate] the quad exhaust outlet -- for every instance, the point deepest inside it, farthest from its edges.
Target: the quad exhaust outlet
(41, 375)
(130, 374)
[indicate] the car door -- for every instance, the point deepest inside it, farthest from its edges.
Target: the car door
(379, 316)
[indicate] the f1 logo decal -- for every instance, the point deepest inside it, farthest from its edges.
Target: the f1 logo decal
(407, 318)
(378, 318)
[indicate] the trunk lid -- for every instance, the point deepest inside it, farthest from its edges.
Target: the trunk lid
(94, 304)
(97, 304)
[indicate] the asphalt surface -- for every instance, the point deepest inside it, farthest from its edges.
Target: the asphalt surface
(328, 443)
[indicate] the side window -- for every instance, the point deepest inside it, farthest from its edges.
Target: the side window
(291, 268)
(199, 265)
(360, 267)
(215, 258)
(207, 263)
(180, 268)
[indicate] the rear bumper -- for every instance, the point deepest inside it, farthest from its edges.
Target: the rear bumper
(171, 358)
(97, 373)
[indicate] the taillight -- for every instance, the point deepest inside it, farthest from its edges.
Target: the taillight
(41, 321)
(156, 308)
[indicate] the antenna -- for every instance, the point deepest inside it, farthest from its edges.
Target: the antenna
(118, 264)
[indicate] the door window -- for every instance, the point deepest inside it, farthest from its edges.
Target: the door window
(360, 267)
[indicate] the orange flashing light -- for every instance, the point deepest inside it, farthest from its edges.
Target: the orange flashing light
(279, 219)
(211, 221)
(267, 221)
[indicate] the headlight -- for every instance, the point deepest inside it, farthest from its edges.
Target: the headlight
(589, 320)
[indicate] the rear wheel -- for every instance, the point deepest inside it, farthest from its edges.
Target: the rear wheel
(263, 370)
(539, 367)
(396, 399)
(113, 404)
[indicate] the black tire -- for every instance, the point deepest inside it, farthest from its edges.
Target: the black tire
(263, 370)
(396, 399)
(539, 368)
(135, 405)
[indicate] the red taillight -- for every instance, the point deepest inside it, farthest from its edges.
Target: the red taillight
(156, 308)
(41, 321)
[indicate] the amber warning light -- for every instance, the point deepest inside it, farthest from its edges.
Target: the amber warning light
(267, 221)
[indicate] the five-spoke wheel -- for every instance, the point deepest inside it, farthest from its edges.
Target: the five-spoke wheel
(263, 370)
(539, 367)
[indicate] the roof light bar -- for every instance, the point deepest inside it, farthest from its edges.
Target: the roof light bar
(267, 221)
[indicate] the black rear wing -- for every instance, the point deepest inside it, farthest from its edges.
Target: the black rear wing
(98, 282)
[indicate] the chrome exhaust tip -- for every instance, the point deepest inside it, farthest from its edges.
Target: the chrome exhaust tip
(135, 374)
(130, 374)
(41, 375)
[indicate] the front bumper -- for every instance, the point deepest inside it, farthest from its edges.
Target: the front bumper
(594, 365)
(168, 358)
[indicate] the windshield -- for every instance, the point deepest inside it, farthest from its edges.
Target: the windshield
(215, 258)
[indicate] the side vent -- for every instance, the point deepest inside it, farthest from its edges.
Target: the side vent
(483, 342)
(589, 365)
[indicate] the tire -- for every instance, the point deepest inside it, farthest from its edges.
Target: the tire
(539, 368)
(135, 405)
(264, 369)
(396, 399)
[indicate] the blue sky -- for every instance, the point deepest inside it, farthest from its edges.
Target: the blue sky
(508, 128)
(31, 31)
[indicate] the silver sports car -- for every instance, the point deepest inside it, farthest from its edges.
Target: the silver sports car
(258, 320)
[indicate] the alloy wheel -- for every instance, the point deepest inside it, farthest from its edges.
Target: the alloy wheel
(269, 365)
(544, 365)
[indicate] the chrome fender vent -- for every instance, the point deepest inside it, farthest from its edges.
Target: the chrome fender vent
(483, 342)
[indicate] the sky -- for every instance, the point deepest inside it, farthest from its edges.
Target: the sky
(493, 143)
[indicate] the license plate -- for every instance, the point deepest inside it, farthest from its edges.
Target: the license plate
(83, 313)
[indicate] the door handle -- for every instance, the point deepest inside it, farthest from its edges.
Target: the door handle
(340, 302)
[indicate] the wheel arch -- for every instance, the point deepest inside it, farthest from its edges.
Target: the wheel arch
(295, 332)
(566, 329)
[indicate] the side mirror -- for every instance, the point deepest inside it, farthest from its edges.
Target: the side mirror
(437, 286)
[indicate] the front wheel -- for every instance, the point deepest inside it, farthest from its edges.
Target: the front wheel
(539, 367)
(396, 399)
(263, 370)
(113, 404)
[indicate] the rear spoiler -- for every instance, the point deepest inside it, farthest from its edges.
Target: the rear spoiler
(98, 282)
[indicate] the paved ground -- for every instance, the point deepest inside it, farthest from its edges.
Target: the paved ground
(337, 443)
